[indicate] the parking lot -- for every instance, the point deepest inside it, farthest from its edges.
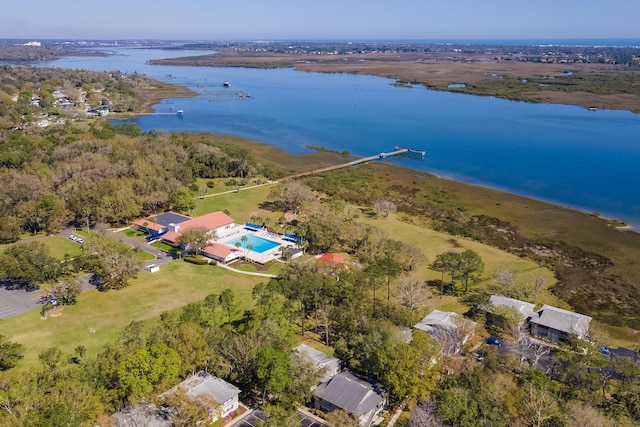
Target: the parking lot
(251, 420)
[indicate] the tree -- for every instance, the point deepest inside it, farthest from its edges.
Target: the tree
(212, 303)
(10, 353)
(193, 239)
(183, 200)
(447, 261)
(341, 418)
(411, 293)
(272, 370)
(29, 264)
(469, 263)
(538, 405)
(227, 302)
(65, 292)
(187, 411)
(583, 415)
(292, 194)
(506, 276)
(50, 358)
(384, 207)
(148, 369)
(110, 259)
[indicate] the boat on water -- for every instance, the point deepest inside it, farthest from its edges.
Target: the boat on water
(226, 84)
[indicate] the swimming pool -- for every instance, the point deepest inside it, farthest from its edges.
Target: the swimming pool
(259, 244)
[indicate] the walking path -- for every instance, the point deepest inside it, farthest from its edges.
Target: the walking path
(248, 273)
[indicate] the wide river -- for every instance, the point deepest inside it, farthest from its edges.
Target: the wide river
(588, 160)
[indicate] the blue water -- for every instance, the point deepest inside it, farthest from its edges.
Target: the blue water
(567, 155)
(259, 244)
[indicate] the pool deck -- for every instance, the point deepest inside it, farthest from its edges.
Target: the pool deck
(263, 257)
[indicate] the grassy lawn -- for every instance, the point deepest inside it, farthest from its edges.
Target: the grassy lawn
(57, 246)
(273, 269)
(129, 232)
(164, 247)
(176, 285)
(432, 243)
(145, 256)
(241, 206)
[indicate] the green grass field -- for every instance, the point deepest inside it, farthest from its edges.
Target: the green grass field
(57, 246)
(176, 285)
(431, 243)
(241, 205)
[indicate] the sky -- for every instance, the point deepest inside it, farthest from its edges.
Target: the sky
(321, 19)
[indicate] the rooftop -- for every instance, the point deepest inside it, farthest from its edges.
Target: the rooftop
(204, 383)
(562, 320)
(320, 359)
(346, 391)
(523, 307)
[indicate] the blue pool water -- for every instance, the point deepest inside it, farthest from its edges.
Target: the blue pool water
(259, 244)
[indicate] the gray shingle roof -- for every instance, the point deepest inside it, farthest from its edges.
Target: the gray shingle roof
(203, 383)
(523, 307)
(562, 320)
(321, 360)
(348, 392)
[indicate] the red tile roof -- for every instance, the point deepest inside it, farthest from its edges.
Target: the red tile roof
(218, 250)
(331, 259)
(210, 221)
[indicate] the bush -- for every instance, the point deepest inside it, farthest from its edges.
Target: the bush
(213, 262)
(196, 260)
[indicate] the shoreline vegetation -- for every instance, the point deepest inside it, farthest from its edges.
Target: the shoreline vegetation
(595, 84)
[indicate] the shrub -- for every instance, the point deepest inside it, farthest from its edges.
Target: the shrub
(196, 260)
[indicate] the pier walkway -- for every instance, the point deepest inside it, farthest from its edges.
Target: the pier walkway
(398, 152)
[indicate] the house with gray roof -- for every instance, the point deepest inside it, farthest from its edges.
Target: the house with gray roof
(525, 309)
(217, 390)
(450, 329)
(358, 397)
(557, 324)
(329, 364)
(222, 396)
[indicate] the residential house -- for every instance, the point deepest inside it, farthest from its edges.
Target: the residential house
(144, 414)
(321, 360)
(346, 391)
(450, 329)
(222, 395)
(557, 324)
(526, 309)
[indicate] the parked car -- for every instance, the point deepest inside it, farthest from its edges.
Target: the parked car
(494, 341)
(604, 350)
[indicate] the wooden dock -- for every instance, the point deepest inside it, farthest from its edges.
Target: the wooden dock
(397, 152)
